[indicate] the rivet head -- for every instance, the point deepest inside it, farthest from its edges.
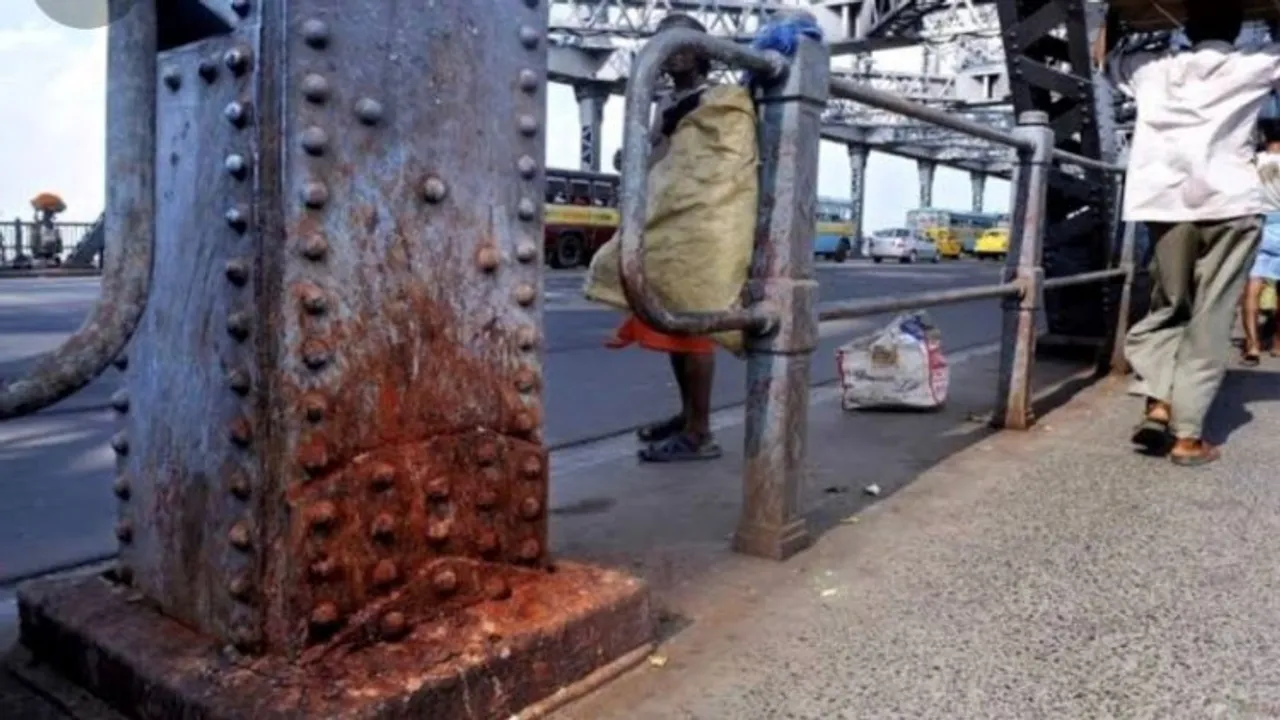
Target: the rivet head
(239, 486)
(369, 111)
(526, 210)
(526, 252)
(438, 488)
(236, 60)
(237, 220)
(445, 581)
(237, 114)
(121, 362)
(530, 550)
(527, 166)
(438, 532)
(314, 457)
(124, 531)
(323, 569)
(497, 588)
(322, 515)
(384, 527)
(120, 401)
(240, 432)
(240, 587)
(528, 81)
(239, 537)
(526, 294)
(172, 79)
(244, 638)
(315, 140)
(526, 380)
(313, 299)
(325, 615)
(531, 466)
(487, 452)
(239, 382)
(315, 249)
(393, 626)
(315, 88)
(208, 70)
(528, 125)
(120, 443)
(315, 194)
(315, 407)
(381, 476)
(530, 508)
(487, 258)
(121, 488)
(385, 573)
(486, 499)
(236, 166)
(241, 7)
(238, 325)
(525, 422)
(237, 272)
(316, 33)
(487, 542)
(529, 37)
(527, 338)
(315, 354)
(434, 190)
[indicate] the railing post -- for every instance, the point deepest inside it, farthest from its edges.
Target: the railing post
(782, 277)
(1026, 235)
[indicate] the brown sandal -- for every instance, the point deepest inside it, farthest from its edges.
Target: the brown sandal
(1203, 455)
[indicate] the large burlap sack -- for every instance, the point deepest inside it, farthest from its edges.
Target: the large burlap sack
(701, 217)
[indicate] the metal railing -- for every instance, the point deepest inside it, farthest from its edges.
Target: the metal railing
(781, 319)
(18, 238)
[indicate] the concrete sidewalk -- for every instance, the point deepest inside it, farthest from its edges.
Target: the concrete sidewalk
(1049, 574)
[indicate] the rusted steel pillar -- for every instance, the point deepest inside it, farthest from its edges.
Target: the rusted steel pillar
(331, 454)
(1029, 191)
(782, 276)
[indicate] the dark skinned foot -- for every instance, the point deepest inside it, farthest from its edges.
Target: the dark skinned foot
(659, 431)
(1193, 452)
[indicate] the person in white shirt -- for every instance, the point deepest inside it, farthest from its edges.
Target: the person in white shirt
(1266, 265)
(1192, 180)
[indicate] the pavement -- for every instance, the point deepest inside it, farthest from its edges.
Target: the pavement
(56, 468)
(1053, 573)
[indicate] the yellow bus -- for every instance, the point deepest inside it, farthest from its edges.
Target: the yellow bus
(581, 215)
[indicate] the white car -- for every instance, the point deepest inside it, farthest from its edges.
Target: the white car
(902, 245)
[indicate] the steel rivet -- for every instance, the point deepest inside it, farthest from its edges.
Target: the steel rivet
(120, 443)
(237, 272)
(323, 514)
(241, 7)
(315, 354)
(445, 581)
(487, 259)
(313, 457)
(496, 588)
(526, 252)
(239, 486)
(121, 362)
(531, 466)
(208, 70)
(316, 33)
(526, 294)
(369, 111)
(313, 300)
(240, 432)
(121, 488)
(315, 140)
(487, 542)
(530, 550)
(238, 325)
(315, 406)
(237, 114)
(315, 88)
(527, 338)
(385, 573)
(528, 125)
(526, 380)
(394, 625)
(244, 638)
(237, 220)
(323, 568)
(487, 453)
(384, 527)
(172, 79)
(438, 532)
(236, 166)
(324, 615)
(487, 499)
(526, 210)
(525, 422)
(528, 167)
(238, 381)
(124, 531)
(120, 401)
(528, 81)
(315, 195)
(240, 587)
(381, 476)
(237, 60)
(239, 536)
(434, 190)
(529, 37)
(315, 248)
(530, 508)
(438, 488)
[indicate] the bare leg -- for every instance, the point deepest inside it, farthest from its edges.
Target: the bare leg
(664, 429)
(1249, 317)
(700, 371)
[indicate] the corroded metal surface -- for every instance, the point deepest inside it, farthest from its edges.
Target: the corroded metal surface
(486, 661)
(130, 230)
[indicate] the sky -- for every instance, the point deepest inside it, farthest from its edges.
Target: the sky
(52, 133)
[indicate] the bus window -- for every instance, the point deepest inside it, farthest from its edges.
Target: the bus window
(580, 192)
(557, 191)
(602, 194)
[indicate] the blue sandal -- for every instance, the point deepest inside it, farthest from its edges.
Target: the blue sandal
(680, 448)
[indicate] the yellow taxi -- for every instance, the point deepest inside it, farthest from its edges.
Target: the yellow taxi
(949, 246)
(993, 244)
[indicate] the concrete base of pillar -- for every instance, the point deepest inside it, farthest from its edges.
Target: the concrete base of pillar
(560, 634)
(772, 542)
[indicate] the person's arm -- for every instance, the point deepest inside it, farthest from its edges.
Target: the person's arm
(1125, 68)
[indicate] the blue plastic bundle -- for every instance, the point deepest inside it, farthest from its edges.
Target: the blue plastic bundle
(783, 36)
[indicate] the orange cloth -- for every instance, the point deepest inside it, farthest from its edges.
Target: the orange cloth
(634, 331)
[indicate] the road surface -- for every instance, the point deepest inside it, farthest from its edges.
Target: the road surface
(55, 467)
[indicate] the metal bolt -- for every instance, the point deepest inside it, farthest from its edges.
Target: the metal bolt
(487, 499)
(369, 111)
(487, 542)
(316, 33)
(384, 527)
(241, 7)
(526, 295)
(527, 166)
(172, 79)
(487, 453)
(240, 587)
(120, 401)
(315, 248)
(315, 354)
(120, 443)
(530, 508)
(323, 514)
(496, 588)
(526, 210)
(315, 407)
(385, 573)
(315, 88)
(527, 338)
(445, 582)
(528, 125)
(526, 252)
(323, 568)
(324, 615)
(237, 272)
(124, 531)
(121, 362)
(239, 486)
(530, 550)
(528, 81)
(238, 326)
(208, 71)
(239, 536)
(121, 487)
(434, 190)
(315, 195)
(531, 466)
(240, 432)
(526, 380)
(381, 476)
(529, 37)
(237, 220)
(237, 60)
(315, 140)
(438, 532)
(487, 259)
(239, 382)
(313, 299)
(525, 422)
(314, 457)
(438, 488)
(393, 626)
(236, 166)
(244, 638)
